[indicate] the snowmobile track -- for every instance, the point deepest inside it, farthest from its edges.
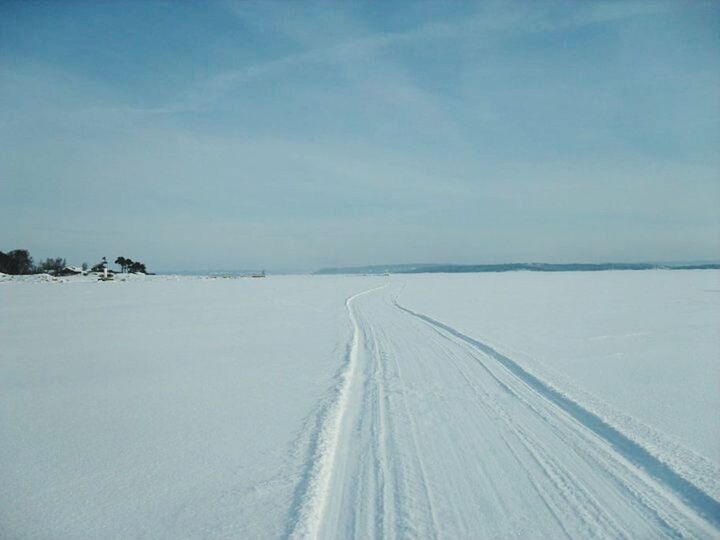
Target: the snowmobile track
(430, 433)
(691, 494)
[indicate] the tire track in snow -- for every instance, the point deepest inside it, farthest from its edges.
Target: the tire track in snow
(486, 398)
(694, 497)
(574, 494)
(311, 512)
(418, 454)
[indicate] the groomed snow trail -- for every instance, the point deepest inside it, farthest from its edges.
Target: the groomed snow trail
(311, 512)
(432, 434)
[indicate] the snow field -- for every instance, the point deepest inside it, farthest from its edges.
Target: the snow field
(430, 406)
(163, 408)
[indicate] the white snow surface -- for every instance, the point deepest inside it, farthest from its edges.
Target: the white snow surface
(516, 405)
(646, 342)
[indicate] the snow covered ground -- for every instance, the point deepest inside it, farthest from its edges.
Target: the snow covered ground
(640, 347)
(517, 405)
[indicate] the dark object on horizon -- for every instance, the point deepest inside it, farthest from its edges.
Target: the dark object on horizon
(512, 267)
(137, 268)
(19, 262)
(101, 266)
(52, 266)
(122, 263)
(68, 271)
(128, 265)
(707, 266)
(16, 262)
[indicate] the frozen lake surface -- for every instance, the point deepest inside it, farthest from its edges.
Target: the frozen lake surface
(433, 406)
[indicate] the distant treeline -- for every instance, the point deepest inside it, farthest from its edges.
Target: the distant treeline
(19, 262)
(532, 267)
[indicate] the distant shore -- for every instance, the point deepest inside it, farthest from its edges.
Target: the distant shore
(510, 267)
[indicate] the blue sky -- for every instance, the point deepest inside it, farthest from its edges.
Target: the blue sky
(296, 135)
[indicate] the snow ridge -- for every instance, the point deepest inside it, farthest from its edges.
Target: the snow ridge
(312, 509)
(693, 496)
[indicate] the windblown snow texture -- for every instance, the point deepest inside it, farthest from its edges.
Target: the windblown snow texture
(441, 436)
(514, 405)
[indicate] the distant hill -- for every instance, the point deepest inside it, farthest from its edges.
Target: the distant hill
(512, 267)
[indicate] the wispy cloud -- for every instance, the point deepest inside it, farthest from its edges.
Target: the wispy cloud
(337, 134)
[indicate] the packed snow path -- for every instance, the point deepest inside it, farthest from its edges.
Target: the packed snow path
(431, 434)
